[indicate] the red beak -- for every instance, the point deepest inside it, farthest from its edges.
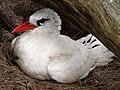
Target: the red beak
(24, 27)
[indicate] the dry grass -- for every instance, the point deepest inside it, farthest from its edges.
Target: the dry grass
(12, 77)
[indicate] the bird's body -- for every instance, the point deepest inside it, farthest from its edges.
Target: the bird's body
(45, 54)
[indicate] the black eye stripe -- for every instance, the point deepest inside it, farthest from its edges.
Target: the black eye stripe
(38, 23)
(41, 21)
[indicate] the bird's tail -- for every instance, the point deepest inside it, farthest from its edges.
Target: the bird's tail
(99, 52)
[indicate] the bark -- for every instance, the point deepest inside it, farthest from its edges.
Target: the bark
(99, 17)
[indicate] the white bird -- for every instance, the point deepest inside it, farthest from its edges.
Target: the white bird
(43, 53)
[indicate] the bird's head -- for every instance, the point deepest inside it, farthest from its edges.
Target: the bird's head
(41, 18)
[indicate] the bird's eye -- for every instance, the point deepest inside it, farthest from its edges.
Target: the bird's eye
(41, 21)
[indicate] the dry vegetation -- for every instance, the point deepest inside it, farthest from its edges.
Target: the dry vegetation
(12, 77)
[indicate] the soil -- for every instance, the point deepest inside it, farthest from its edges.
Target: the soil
(13, 78)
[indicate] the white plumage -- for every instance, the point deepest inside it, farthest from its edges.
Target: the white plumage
(45, 54)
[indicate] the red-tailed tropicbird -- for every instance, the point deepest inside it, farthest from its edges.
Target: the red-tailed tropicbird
(45, 54)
